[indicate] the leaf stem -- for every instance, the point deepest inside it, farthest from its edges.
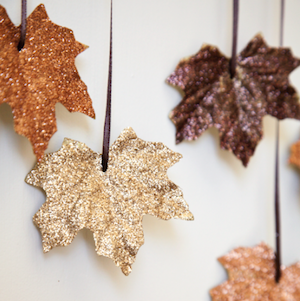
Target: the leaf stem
(277, 198)
(234, 38)
(23, 25)
(107, 123)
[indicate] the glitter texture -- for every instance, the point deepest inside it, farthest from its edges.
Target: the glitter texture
(295, 154)
(251, 273)
(234, 106)
(43, 73)
(110, 204)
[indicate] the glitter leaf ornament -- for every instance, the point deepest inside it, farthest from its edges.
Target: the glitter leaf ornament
(110, 204)
(235, 106)
(251, 273)
(295, 154)
(42, 74)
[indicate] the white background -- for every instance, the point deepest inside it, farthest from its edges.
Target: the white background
(233, 206)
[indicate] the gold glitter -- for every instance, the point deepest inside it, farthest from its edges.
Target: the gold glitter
(110, 204)
(43, 73)
(234, 106)
(251, 273)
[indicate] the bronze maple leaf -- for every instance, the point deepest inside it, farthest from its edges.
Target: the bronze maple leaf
(43, 73)
(251, 273)
(295, 154)
(235, 106)
(111, 204)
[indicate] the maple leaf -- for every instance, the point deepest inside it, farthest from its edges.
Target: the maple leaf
(235, 106)
(295, 154)
(110, 204)
(43, 73)
(251, 273)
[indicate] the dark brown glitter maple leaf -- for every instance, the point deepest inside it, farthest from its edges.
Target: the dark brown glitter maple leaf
(43, 73)
(251, 273)
(234, 106)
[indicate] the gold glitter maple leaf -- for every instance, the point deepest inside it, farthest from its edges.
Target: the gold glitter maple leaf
(110, 204)
(251, 273)
(43, 73)
(235, 106)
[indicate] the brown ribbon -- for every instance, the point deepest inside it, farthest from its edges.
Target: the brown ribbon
(107, 123)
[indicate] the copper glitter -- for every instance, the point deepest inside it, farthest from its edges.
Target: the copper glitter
(234, 106)
(295, 154)
(110, 204)
(42, 74)
(251, 273)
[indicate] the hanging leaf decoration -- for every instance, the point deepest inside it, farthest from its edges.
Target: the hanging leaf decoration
(235, 106)
(42, 74)
(110, 204)
(295, 154)
(251, 273)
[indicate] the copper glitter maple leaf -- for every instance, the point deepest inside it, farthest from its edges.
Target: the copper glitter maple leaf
(251, 273)
(43, 73)
(110, 204)
(235, 106)
(295, 154)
